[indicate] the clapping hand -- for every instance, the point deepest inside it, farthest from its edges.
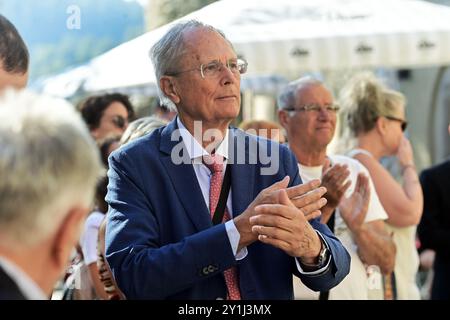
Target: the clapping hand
(354, 208)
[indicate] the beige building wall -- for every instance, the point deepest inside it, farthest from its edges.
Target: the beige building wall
(427, 91)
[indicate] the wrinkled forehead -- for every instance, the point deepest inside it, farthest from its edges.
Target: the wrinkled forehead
(314, 94)
(203, 45)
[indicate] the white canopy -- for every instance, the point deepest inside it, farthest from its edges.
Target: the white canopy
(65, 84)
(287, 37)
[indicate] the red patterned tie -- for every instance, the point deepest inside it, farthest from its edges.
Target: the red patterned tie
(215, 165)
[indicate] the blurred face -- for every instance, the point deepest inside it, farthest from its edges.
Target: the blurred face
(15, 80)
(394, 132)
(56, 251)
(113, 122)
(214, 100)
(311, 129)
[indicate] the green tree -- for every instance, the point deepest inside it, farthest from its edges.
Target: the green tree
(170, 10)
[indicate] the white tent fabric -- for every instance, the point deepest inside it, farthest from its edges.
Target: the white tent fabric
(65, 84)
(287, 37)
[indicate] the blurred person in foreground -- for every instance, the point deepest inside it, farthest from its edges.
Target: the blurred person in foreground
(49, 165)
(83, 277)
(164, 191)
(264, 128)
(308, 113)
(376, 118)
(14, 57)
(434, 228)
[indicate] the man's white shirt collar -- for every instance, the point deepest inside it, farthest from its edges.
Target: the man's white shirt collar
(195, 149)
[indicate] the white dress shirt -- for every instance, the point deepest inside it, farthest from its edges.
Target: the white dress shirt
(26, 285)
(196, 153)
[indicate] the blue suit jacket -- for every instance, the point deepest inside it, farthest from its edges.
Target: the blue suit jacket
(160, 242)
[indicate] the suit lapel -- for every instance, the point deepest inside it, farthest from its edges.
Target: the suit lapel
(181, 172)
(242, 173)
(8, 288)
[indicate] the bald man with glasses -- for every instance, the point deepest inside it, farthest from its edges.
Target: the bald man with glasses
(308, 113)
(193, 214)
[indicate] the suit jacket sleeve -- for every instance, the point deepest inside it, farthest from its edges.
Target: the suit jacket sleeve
(142, 267)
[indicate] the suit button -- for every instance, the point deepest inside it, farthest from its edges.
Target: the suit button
(211, 269)
(205, 271)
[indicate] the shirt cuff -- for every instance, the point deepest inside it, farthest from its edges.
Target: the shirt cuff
(234, 237)
(321, 270)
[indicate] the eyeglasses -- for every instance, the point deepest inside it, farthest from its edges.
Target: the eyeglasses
(330, 108)
(403, 123)
(120, 122)
(214, 68)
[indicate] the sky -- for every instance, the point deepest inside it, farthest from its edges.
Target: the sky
(143, 3)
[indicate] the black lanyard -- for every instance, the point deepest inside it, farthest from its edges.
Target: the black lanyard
(224, 191)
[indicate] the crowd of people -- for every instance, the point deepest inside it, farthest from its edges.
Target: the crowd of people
(183, 205)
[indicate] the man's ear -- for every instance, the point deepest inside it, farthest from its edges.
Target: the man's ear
(67, 236)
(169, 88)
(283, 118)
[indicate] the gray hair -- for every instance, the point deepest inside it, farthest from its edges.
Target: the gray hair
(141, 127)
(48, 164)
(165, 53)
(286, 98)
(364, 99)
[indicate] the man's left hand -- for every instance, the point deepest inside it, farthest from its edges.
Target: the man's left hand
(284, 226)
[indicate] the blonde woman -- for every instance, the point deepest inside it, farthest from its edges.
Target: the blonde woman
(376, 118)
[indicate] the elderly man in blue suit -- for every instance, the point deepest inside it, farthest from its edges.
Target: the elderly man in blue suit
(166, 187)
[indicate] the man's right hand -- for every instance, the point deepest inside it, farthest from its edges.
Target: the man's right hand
(334, 179)
(306, 197)
(300, 197)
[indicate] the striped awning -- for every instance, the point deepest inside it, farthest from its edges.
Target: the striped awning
(288, 37)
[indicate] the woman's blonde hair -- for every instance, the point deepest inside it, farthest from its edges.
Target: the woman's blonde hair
(364, 99)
